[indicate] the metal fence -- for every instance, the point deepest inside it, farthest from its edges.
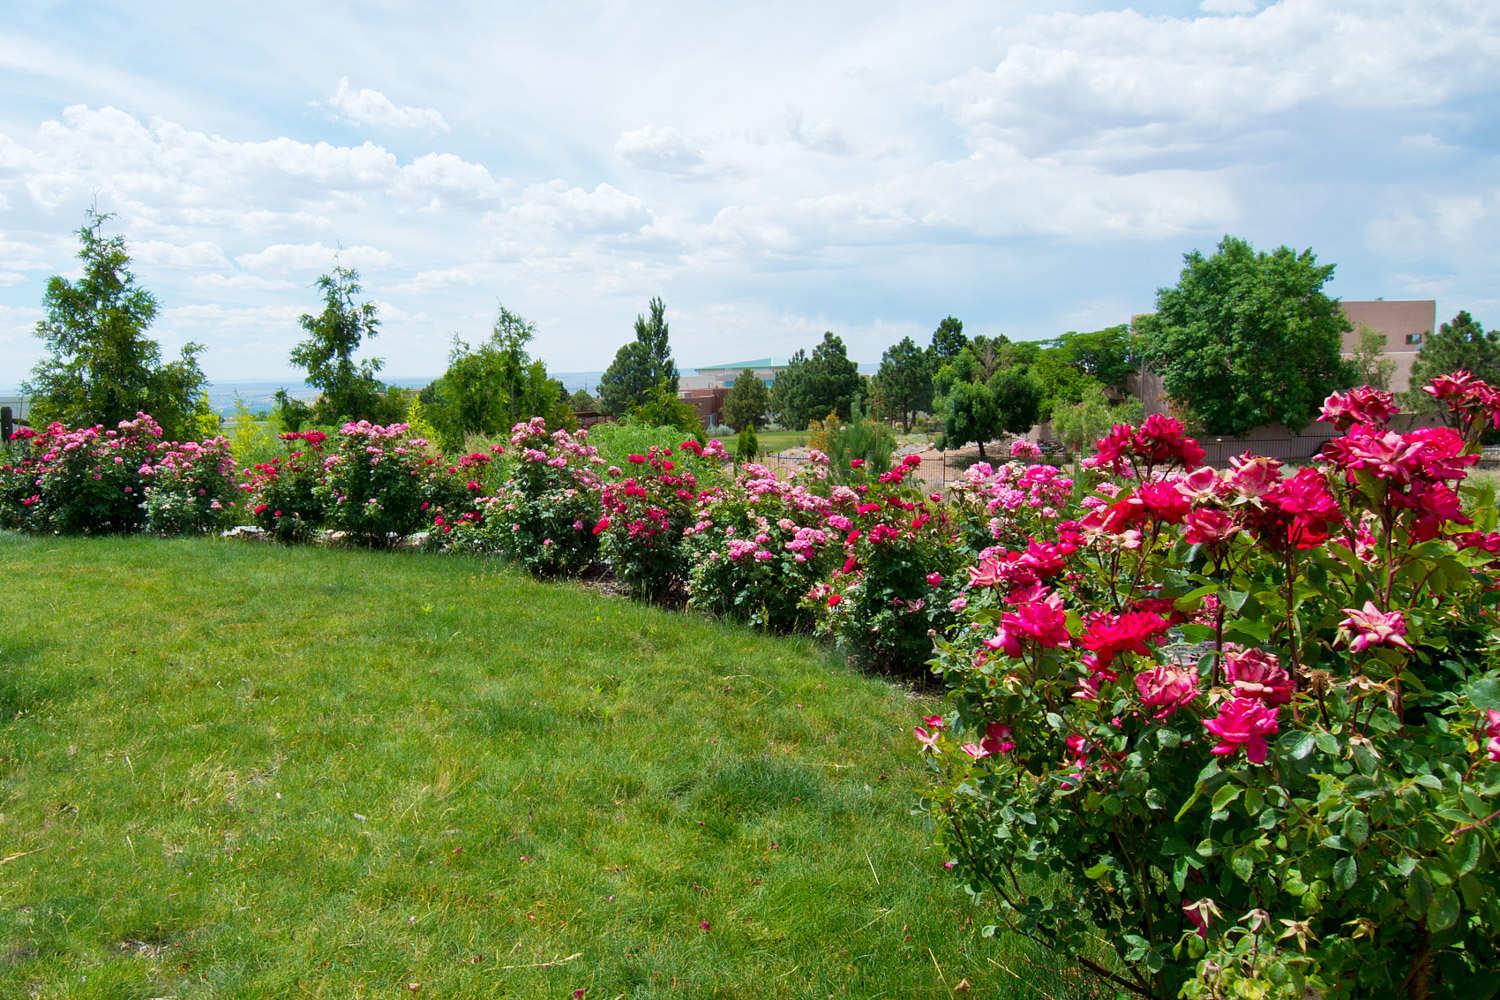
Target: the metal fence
(933, 471)
(1297, 448)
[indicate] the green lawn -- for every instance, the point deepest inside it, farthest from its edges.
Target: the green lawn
(240, 770)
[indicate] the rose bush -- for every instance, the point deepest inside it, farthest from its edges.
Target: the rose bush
(898, 583)
(284, 496)
(542, 512)
(85, 480)
(190, 487)
(646, 509)
(1234, 734)
(380, 484)
(758, 545)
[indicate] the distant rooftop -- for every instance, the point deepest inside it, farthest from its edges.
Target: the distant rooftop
(737, 366)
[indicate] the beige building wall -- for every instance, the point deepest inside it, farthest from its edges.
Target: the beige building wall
(1404, 323)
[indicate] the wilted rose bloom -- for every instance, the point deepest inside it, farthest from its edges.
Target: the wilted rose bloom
(1167, 688)
(1255, 673)
(1243, 722)
(1369, 626)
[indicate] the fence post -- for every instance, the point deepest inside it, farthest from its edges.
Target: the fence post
(7, 425)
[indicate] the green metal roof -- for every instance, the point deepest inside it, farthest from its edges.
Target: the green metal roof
(742, 365)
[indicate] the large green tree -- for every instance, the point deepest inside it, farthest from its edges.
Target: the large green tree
(987, 390)
(1246, 338)
(747, 402)
(902, 387)
(490, 388)
(99, 366)
(817, 384)
(349, 389)
(640, 366)
(1461, 343)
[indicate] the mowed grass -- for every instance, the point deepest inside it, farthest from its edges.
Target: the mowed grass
(240, 770)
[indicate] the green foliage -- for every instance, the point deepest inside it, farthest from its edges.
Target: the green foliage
(417, 424)
(987, 390)
(947, 341)
(349, 389)
(1078, 425)
(903, 386)
(860, 439)
(747, 402)
(641, 365)
(582, 402)
(252, 436)
(663, 408)
(489, 389)
(1245, 338)
(1461, 343)
(290, 414)
(812, 385)
(1369, 365)
(747, 445)
(99, 366)
(1109, 356)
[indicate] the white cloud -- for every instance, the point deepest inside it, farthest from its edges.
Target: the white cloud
(162, 254)
(371, 107)
(288, 258)
(556, 206)
(10, 278)
(1229, 6)
(1064, 77)
(661, 148)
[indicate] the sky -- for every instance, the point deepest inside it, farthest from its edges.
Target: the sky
(771, 170)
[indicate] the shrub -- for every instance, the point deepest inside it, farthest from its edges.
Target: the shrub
(380, 484)
(190, 488)
(747, 445)
(80, 481)
(646, 510)
(1240, 728)
(758, 545)
(543, 514)
(284, 496)
(1009, 504)
(897, 586)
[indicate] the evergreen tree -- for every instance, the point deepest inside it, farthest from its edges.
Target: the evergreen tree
(747, 402)
(903, 386)
(640, 366)
(100, 367)
(1459, 344)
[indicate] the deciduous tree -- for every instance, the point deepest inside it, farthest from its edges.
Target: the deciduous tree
(1246, 338)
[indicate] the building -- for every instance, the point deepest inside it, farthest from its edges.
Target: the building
(706, 389)
(723, 376)
(1403, 324)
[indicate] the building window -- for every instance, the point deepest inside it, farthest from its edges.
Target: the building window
(1413, 338)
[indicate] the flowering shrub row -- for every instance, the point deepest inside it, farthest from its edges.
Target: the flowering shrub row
(94, 480)
(1243, 728)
